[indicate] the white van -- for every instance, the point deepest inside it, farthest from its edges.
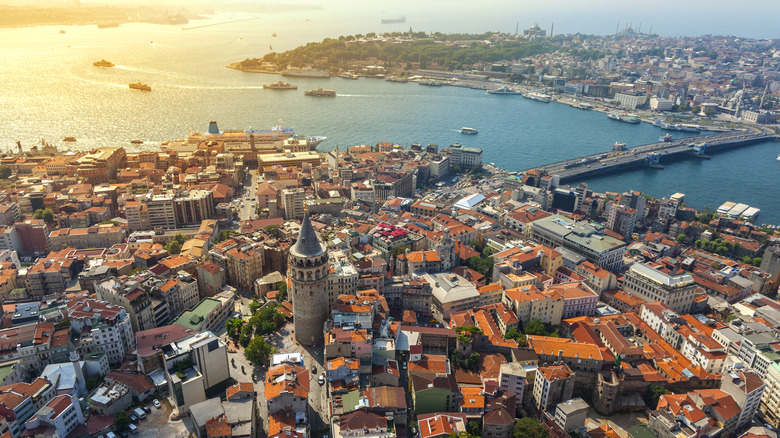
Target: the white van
(139, 413)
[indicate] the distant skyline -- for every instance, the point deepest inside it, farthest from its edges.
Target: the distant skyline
(751, 18)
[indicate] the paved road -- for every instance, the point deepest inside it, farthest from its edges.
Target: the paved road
(247, 212)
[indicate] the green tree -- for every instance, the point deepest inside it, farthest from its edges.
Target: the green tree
(5, 172)
(473, 429)
(757, 261)
(274, 231)
(696, 109)
(254, 306)
(529, 427)
(121, 420)
(709, 112)
(654, 392)
(282, 296)
(247, 331)
(233, 326)
(44, 213)
(173, 247)
(472, 362)
(538, 328)
(681, 238)
(512, 334)
(258, 351)
(225, 235)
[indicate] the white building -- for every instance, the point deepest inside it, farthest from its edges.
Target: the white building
(747, 388)
(660, 104)
(630, 99)
(188, 385)
(103, 327)
(62, 413)
(649, 284)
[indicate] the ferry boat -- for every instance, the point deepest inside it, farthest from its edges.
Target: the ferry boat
(69, 139)
(103, 63)
(348, 75)
(431, 83)
(280, 85)
(677, 127)
(266, 136)
(137, 141)
(468, 131)
(396, 79)
(539, 97)
(583, 105)
(140, 86)
(307, 72)
(505, 91)
(320, 92)
(621, 117)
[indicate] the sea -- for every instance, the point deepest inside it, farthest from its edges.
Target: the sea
(51, 90)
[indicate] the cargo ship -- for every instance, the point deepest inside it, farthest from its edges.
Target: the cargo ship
(280, 85)
(140, 86)
(320, 92)
(398, 20)
(103, 63)
(307, 72)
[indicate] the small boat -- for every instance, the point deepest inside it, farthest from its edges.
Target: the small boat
(348, 75)
(778, 157)
(140, 86)
(584, 105)
(320, 92)
(69, 139)
(505, 90)
(103, 63)
(468, 131)
(280, 85)
(137, 141)
(273, 34)
(666, 138)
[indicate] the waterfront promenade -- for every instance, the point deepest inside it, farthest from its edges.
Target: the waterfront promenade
(653, 155)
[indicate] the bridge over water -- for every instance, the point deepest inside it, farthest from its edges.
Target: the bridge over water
(652, 155)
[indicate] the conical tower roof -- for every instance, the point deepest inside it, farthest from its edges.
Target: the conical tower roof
(307, 245)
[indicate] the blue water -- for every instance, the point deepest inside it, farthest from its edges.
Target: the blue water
(51, 90)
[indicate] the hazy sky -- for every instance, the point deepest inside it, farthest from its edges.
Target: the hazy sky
(749, 18)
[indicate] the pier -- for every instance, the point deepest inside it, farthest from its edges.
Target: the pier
(651, 155)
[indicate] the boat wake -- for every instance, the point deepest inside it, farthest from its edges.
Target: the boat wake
(216, 87)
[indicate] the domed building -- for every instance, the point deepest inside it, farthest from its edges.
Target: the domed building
(308, 273)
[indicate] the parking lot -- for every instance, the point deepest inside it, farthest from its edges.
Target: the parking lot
(158, 424)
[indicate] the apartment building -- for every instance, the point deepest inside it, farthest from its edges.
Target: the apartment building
(97, 236)
(650, 284)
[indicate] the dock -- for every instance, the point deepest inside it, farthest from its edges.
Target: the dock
(651, 155)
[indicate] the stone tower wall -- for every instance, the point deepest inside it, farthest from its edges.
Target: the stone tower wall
(309, 278)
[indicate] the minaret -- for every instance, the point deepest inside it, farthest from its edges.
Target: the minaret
(81, 383)
(308, 272)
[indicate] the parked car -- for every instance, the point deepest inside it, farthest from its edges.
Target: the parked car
(132, 428)
(147, 409)
(133, 418)
(321, 380)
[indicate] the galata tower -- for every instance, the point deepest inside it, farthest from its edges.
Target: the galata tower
(308, 272)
